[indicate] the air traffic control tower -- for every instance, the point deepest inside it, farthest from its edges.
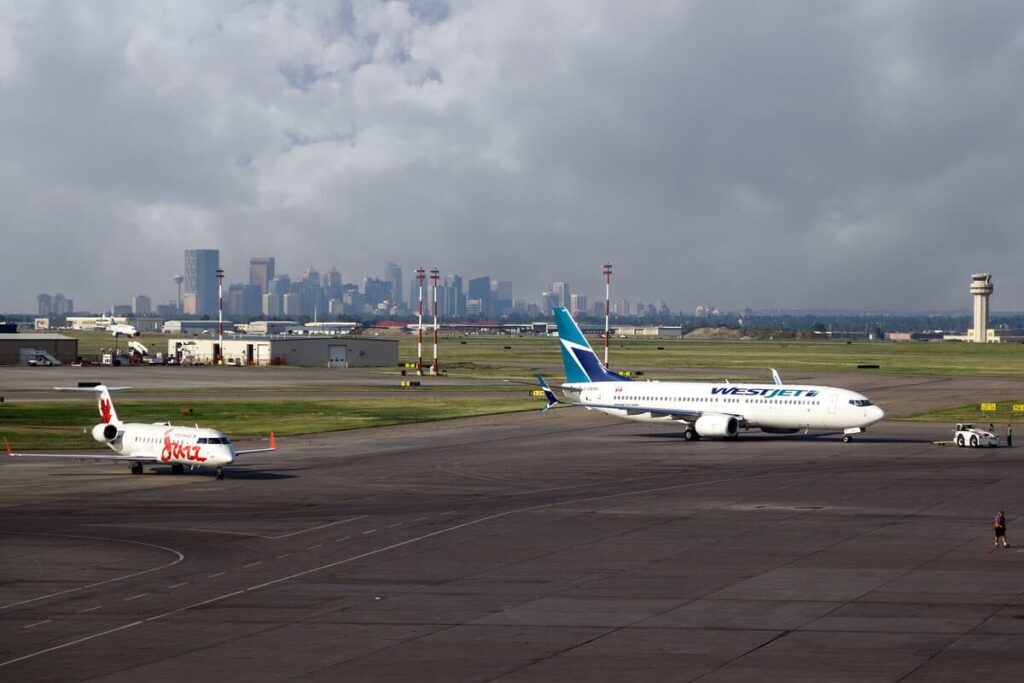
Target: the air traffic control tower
(981, 289)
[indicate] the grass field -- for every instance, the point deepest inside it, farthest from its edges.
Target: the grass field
(488, 356)
(1003, 415)
(66, 425)
(500, 357)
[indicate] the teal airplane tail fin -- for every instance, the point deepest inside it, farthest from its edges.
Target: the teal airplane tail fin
(581, 363)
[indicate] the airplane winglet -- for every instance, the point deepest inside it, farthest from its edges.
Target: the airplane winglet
(775, 376)
(273, 442)
(548, 394)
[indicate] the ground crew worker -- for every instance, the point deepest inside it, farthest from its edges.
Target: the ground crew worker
(1009, 436)
(1000, 530)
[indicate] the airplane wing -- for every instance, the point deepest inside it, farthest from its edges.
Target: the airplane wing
(133, 457)
(655, 411)
(273, 447)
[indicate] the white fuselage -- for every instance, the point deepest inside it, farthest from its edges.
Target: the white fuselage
(189, 446)
(765, 406)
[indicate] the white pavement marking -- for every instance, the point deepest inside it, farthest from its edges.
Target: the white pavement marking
(73, 642)
(136, 597)
(419, 519)
(371, 531)
(314, 528)
(180, 528)
(38, 623)
(314, 547)
(89, 609)
(98, 583)
(253, 564)
(213, 576)
(343, 539)
(178, 585)
(192, 606)
(281, 557)
(392, 526)
(378, 551)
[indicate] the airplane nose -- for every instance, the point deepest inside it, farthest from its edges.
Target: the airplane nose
(876, 413)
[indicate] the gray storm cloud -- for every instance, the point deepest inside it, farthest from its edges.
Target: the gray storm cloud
(785, 154)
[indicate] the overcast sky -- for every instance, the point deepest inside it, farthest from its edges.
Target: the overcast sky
(859, 155)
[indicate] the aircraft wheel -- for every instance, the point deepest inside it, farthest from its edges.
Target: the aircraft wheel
(177, 468)
(136, 468)
(847, 438)
(690, 434)
(220, 473)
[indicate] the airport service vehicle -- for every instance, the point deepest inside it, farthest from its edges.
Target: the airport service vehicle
(704, 409)
(160, 443)
(967, 434)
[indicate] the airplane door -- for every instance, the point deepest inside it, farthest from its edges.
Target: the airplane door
(832, 404)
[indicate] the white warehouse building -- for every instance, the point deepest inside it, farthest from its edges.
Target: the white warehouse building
(312, 351)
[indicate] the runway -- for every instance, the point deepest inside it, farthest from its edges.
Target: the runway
(566, 546)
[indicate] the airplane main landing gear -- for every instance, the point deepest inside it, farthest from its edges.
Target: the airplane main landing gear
(136, 468)
(690, 434)
(847, 438)
(177, 468)
(220, 473)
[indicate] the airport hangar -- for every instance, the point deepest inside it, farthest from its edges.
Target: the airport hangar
(312, 351)
(15, 349)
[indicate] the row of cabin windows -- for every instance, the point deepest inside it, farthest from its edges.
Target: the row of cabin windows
(773, 401)
(200, 440)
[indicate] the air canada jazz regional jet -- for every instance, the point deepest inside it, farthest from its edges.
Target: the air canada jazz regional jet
(705, 408)
(157, 443)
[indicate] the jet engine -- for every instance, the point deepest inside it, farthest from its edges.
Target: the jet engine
(717, 425)
(106, 432)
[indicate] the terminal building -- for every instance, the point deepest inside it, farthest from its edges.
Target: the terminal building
(307, 351)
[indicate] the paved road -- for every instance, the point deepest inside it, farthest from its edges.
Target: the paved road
(565, 546)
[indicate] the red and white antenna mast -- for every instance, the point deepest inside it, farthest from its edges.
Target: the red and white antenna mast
(435, 276)
(607, 307)
(419, 326)
(220, 316)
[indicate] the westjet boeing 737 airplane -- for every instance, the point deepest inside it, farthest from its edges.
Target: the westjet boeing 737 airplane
(716, 409)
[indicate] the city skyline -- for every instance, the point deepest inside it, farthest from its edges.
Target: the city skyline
(826, 155)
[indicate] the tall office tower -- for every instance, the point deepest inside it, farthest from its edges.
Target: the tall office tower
(501, 297)
(261, 272)
(981, 289)
(376, 291)
(561, 290)
(332, 280)
(141, 305)
(578, 304)
(451, 298)
(479, 289)
(201, 280)
(62, 305)
(280, 285)
(45, 302)
(393, 274)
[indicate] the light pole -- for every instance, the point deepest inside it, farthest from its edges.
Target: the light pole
(220, 317)
(419, 326)
(435, 276)
(607, 307)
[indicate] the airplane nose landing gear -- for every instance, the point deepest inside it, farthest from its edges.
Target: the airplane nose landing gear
(136, 468)
(220, 473)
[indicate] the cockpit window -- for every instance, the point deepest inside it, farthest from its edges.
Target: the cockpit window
(859, 402)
